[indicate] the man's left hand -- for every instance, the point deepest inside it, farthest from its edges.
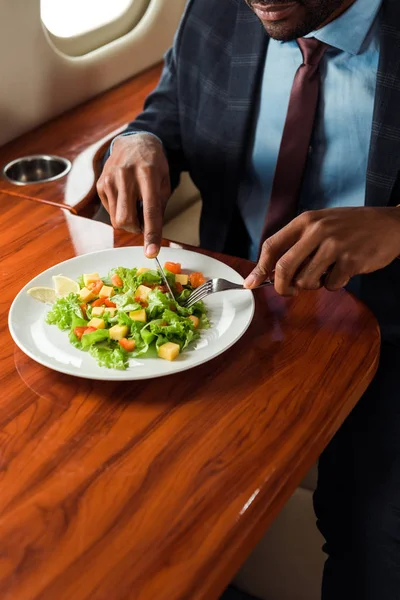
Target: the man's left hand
(338, 242)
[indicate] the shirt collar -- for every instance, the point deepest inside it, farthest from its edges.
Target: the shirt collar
(348, 32)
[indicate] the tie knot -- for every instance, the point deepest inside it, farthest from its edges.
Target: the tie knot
(312, 50)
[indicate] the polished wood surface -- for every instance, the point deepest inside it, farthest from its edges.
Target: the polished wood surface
(81, 135)
(160, 489)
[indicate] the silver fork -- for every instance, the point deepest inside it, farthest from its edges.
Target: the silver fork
(212, 286)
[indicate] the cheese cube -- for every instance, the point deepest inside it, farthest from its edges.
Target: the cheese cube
(169, 351)
(90, 278)
(97, 323)
(97, 311)
(111, 311)
(142, 293)
(106, 291)
(182, 279)
(141, 271)
(86, 295)
(118, 332)
(138, 315)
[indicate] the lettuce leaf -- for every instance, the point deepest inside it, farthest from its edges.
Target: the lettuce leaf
(151, 277)
(147, 337)
(77, 321)
(178, 330)
(126, 302)
(112, 357)
(63, 311)
(171, 280)
(88, 339)
(123, 319)
(128, 277)
(158, 303)
(197, 310)
(204, 322)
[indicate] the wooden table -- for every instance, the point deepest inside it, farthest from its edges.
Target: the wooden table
(80, 135)
(160, 489)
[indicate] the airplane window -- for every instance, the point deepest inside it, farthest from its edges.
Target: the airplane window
(67, 18)
(77, 27)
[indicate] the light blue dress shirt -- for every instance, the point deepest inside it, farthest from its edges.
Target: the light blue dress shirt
(337, 165)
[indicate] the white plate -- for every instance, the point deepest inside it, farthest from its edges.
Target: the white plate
(230, 314)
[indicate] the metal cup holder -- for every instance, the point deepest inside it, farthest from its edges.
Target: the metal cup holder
(40, 168)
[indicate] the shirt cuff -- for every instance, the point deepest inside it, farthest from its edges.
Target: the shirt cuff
(132, 133)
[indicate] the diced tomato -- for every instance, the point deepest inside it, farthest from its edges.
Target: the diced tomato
(110, 304)
(162, 288)
(197, 279)
(117, 281)
(79, 331)
(83, 309)
(89, 330)
(128, 345)
(179, 287)
(173, 267)
(142, 303)
(173, 308)
(99, 302)
(95, 286)
(195, 320)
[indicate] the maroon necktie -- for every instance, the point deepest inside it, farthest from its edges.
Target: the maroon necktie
(296, 138)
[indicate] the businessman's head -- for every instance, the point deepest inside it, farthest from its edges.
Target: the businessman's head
(289, 19)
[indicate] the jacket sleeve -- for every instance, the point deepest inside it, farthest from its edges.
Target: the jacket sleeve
(160, 115)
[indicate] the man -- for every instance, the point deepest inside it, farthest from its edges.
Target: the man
(287, 116)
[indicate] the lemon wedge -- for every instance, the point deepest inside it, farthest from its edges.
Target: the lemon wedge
(43, 294)
(64, 286)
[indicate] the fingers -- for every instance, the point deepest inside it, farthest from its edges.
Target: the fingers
(110, 194)
(125, 214)
(310, 277)
(285, 252)
(101, 193)
(153, 214)
(137, 170)
(272, 250)
(345, 268)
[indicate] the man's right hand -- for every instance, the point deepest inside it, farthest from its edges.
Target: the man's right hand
(137, 170)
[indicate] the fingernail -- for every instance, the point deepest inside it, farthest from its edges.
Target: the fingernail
(250, 281)
(151, 250)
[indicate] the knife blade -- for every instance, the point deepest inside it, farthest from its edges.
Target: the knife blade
(139, 207)
(163, 275)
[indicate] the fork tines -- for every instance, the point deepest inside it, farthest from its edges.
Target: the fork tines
(200, 293)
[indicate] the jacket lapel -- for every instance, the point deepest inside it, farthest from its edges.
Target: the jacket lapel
(384, 158)
(248, 55)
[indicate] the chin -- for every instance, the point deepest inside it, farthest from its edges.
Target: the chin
(281, 33)
(286, 32)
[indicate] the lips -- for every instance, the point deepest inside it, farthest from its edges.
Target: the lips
(274, 12)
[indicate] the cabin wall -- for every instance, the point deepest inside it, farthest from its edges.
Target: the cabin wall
(38, 82)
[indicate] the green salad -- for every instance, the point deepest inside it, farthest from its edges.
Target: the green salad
(130, 313)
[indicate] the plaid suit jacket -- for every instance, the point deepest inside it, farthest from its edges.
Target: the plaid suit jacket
(202, 110)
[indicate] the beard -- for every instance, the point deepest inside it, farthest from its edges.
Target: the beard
(311, 15)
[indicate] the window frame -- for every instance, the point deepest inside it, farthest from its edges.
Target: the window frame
(89, 41)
